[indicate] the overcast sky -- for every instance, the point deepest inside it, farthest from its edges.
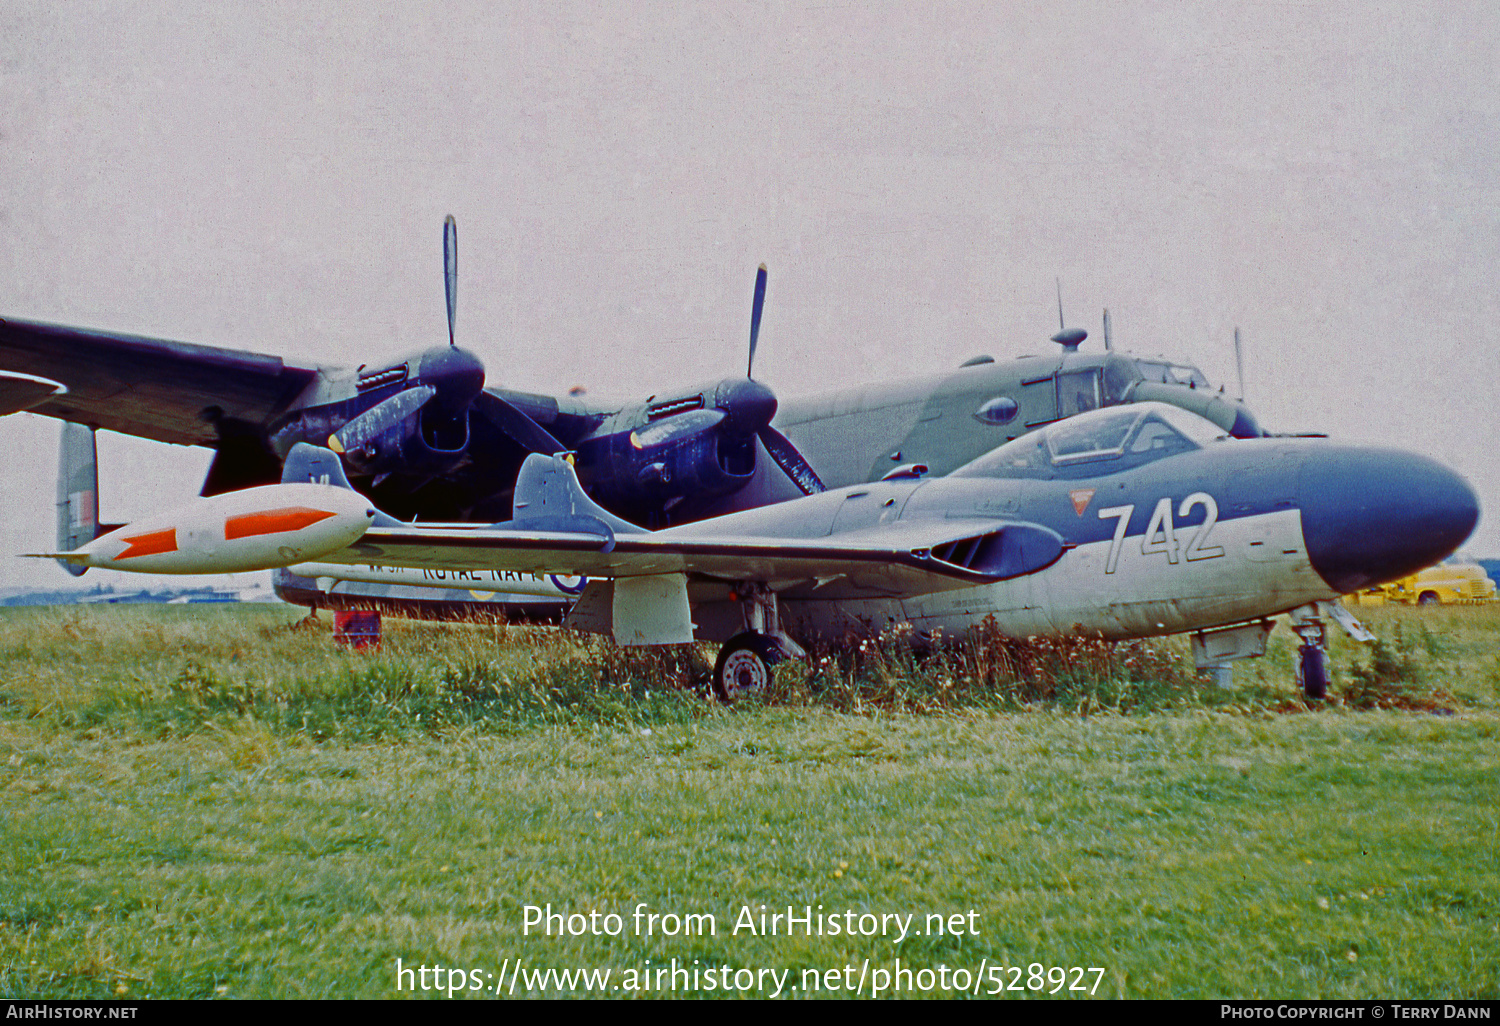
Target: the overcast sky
(274, 177)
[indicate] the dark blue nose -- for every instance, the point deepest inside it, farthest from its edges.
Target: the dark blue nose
(1376, 515)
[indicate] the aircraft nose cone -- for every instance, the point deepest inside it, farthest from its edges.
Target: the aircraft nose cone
(457, 374)
(747, 404)
(1376, 515)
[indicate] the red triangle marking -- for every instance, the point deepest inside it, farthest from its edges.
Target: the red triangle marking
(152, 544)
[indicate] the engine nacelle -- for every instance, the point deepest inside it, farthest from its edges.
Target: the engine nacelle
(675, 466)
(424, 443)
(427, 442)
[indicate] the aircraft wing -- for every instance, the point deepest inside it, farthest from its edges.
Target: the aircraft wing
(23, 391)
(560, 530)
(900, 559)
(148, 387)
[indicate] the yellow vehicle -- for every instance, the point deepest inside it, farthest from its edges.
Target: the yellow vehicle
(1444, 584)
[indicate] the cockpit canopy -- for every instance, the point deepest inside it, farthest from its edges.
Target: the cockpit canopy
(1087, 383)
(1171, 373)
(1121, 436)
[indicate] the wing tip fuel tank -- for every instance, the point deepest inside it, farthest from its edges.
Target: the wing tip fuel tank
(254, 529)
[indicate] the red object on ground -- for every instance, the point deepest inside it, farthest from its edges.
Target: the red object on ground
(357, 628)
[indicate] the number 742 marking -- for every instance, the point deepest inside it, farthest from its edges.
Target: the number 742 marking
(1161, 532)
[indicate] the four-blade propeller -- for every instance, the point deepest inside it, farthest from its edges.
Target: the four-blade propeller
(448, 382)
(741, 408)
(778, 446)
(749, 408)
(511, 421)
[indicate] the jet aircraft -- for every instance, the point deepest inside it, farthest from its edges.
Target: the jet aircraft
(427, 435)
(1122, 522)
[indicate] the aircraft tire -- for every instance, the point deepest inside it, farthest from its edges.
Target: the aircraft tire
(1314, 666)
(744, 665)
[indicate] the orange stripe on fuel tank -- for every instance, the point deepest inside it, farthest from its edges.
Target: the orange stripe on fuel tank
(272, 521)
(152, 544)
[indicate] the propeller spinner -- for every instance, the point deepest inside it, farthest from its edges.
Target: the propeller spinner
(755, 404)
(708, 449)
(448, 383)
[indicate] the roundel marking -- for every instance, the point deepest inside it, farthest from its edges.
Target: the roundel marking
(568, 584)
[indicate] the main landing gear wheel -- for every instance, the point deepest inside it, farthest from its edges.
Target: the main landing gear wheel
(1313, 662)
(744, 665)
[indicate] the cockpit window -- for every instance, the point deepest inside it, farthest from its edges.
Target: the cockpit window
(1077, 392)
(1119, 374)
(1199, 431)
(1155, 435)
(1086, 438)
(1102, 442)
(1172, 373)
(1026, 456)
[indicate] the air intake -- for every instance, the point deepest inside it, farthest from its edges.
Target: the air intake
(672, 407)
(1012, 551)
(380, 379)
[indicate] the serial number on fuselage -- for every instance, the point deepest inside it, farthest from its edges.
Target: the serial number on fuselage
(1161, 532)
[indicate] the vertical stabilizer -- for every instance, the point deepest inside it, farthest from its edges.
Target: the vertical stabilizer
(77, 492)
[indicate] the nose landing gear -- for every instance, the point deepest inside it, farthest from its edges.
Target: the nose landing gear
(1312, 657)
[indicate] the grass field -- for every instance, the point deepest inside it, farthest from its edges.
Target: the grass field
(206, 803)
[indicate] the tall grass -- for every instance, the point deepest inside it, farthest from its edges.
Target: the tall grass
(984, 669)
(168, 670)
(174, 672)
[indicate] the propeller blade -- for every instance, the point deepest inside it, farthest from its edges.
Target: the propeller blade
(450, 270)
(379, 418)
(1107, 342)
(790, 460)
(755, 309)
(516, 425)
(670, 429)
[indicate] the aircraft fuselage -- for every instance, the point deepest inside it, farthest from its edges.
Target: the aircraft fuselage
(1237, 530)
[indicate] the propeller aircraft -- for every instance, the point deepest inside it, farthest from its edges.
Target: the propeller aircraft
(428, 436)
(422, 433)
(1123, 522)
